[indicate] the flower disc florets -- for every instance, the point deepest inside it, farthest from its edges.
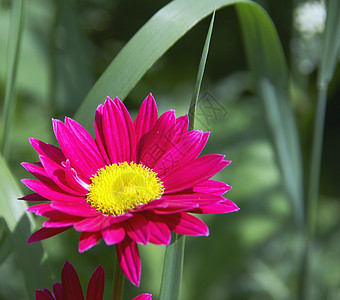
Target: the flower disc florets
(117, 188)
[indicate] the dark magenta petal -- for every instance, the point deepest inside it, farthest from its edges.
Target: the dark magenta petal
(85, 160)
(193, 173)
(76, 209)
(119, 135)
(58, 291)
(159, 139)
(143, 297)
(58, 223)
(33, 197)
(113, 234)
(144, 122)
(225, 206)
(137, 229)
(129, 260)
(184, 223)
(43, 295)
(70, 282)
(45, 233)
(51, 191)
(50, 151)
(95, 288)
(88, 239)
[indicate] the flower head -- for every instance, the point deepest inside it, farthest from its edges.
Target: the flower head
(70, 287)
(135, 183)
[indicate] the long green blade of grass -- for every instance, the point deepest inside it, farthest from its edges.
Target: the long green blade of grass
(17, 226)
(329, 57)
(174, 254)
(14, 41)
(267, 63)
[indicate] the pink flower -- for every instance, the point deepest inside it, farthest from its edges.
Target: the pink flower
(135, 183)
(70, 287)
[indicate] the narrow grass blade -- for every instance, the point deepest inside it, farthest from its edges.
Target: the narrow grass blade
(194, 99)
(18, 225)
(174, 255)
(331, 43)
(268, 66)
(14, 41)
(329, 59)
(173, 269)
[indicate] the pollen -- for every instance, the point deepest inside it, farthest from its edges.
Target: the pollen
(117, 188)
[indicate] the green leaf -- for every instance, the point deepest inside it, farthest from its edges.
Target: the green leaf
(269, 71)
(18, 224)
(174, 255)
(204, 57)
(14, 41)
(173, 269)
(144, 49)
(331, 43)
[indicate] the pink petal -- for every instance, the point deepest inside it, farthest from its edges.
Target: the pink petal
(40, 209)
(95, 288)
(57, 173)
(45, 233)
(51, 191)
(84, 158)
(42, 295)
(57, 223)
(90, 224)
(193, 173)
(159, 139)
(58, 291)
(76, 209)
(222, 207)
(144, 122)
(113, 234)
(137, 229)
(120, 139)
(143, 297)
(212, 187)
(159, 232)
(74, 181)
(70, 282)
(88, 239)
(50, 151)
(180, 152)
(99, 133)
(129, 260)
(38, 172)
(181, 127)
(184, 223)
(187, 198)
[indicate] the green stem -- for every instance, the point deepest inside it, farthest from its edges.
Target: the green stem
(173, 269)
(118, 283)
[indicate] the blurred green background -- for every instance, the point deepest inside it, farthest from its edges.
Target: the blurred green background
(256, 253)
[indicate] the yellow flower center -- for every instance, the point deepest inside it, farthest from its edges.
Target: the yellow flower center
(117, 188)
